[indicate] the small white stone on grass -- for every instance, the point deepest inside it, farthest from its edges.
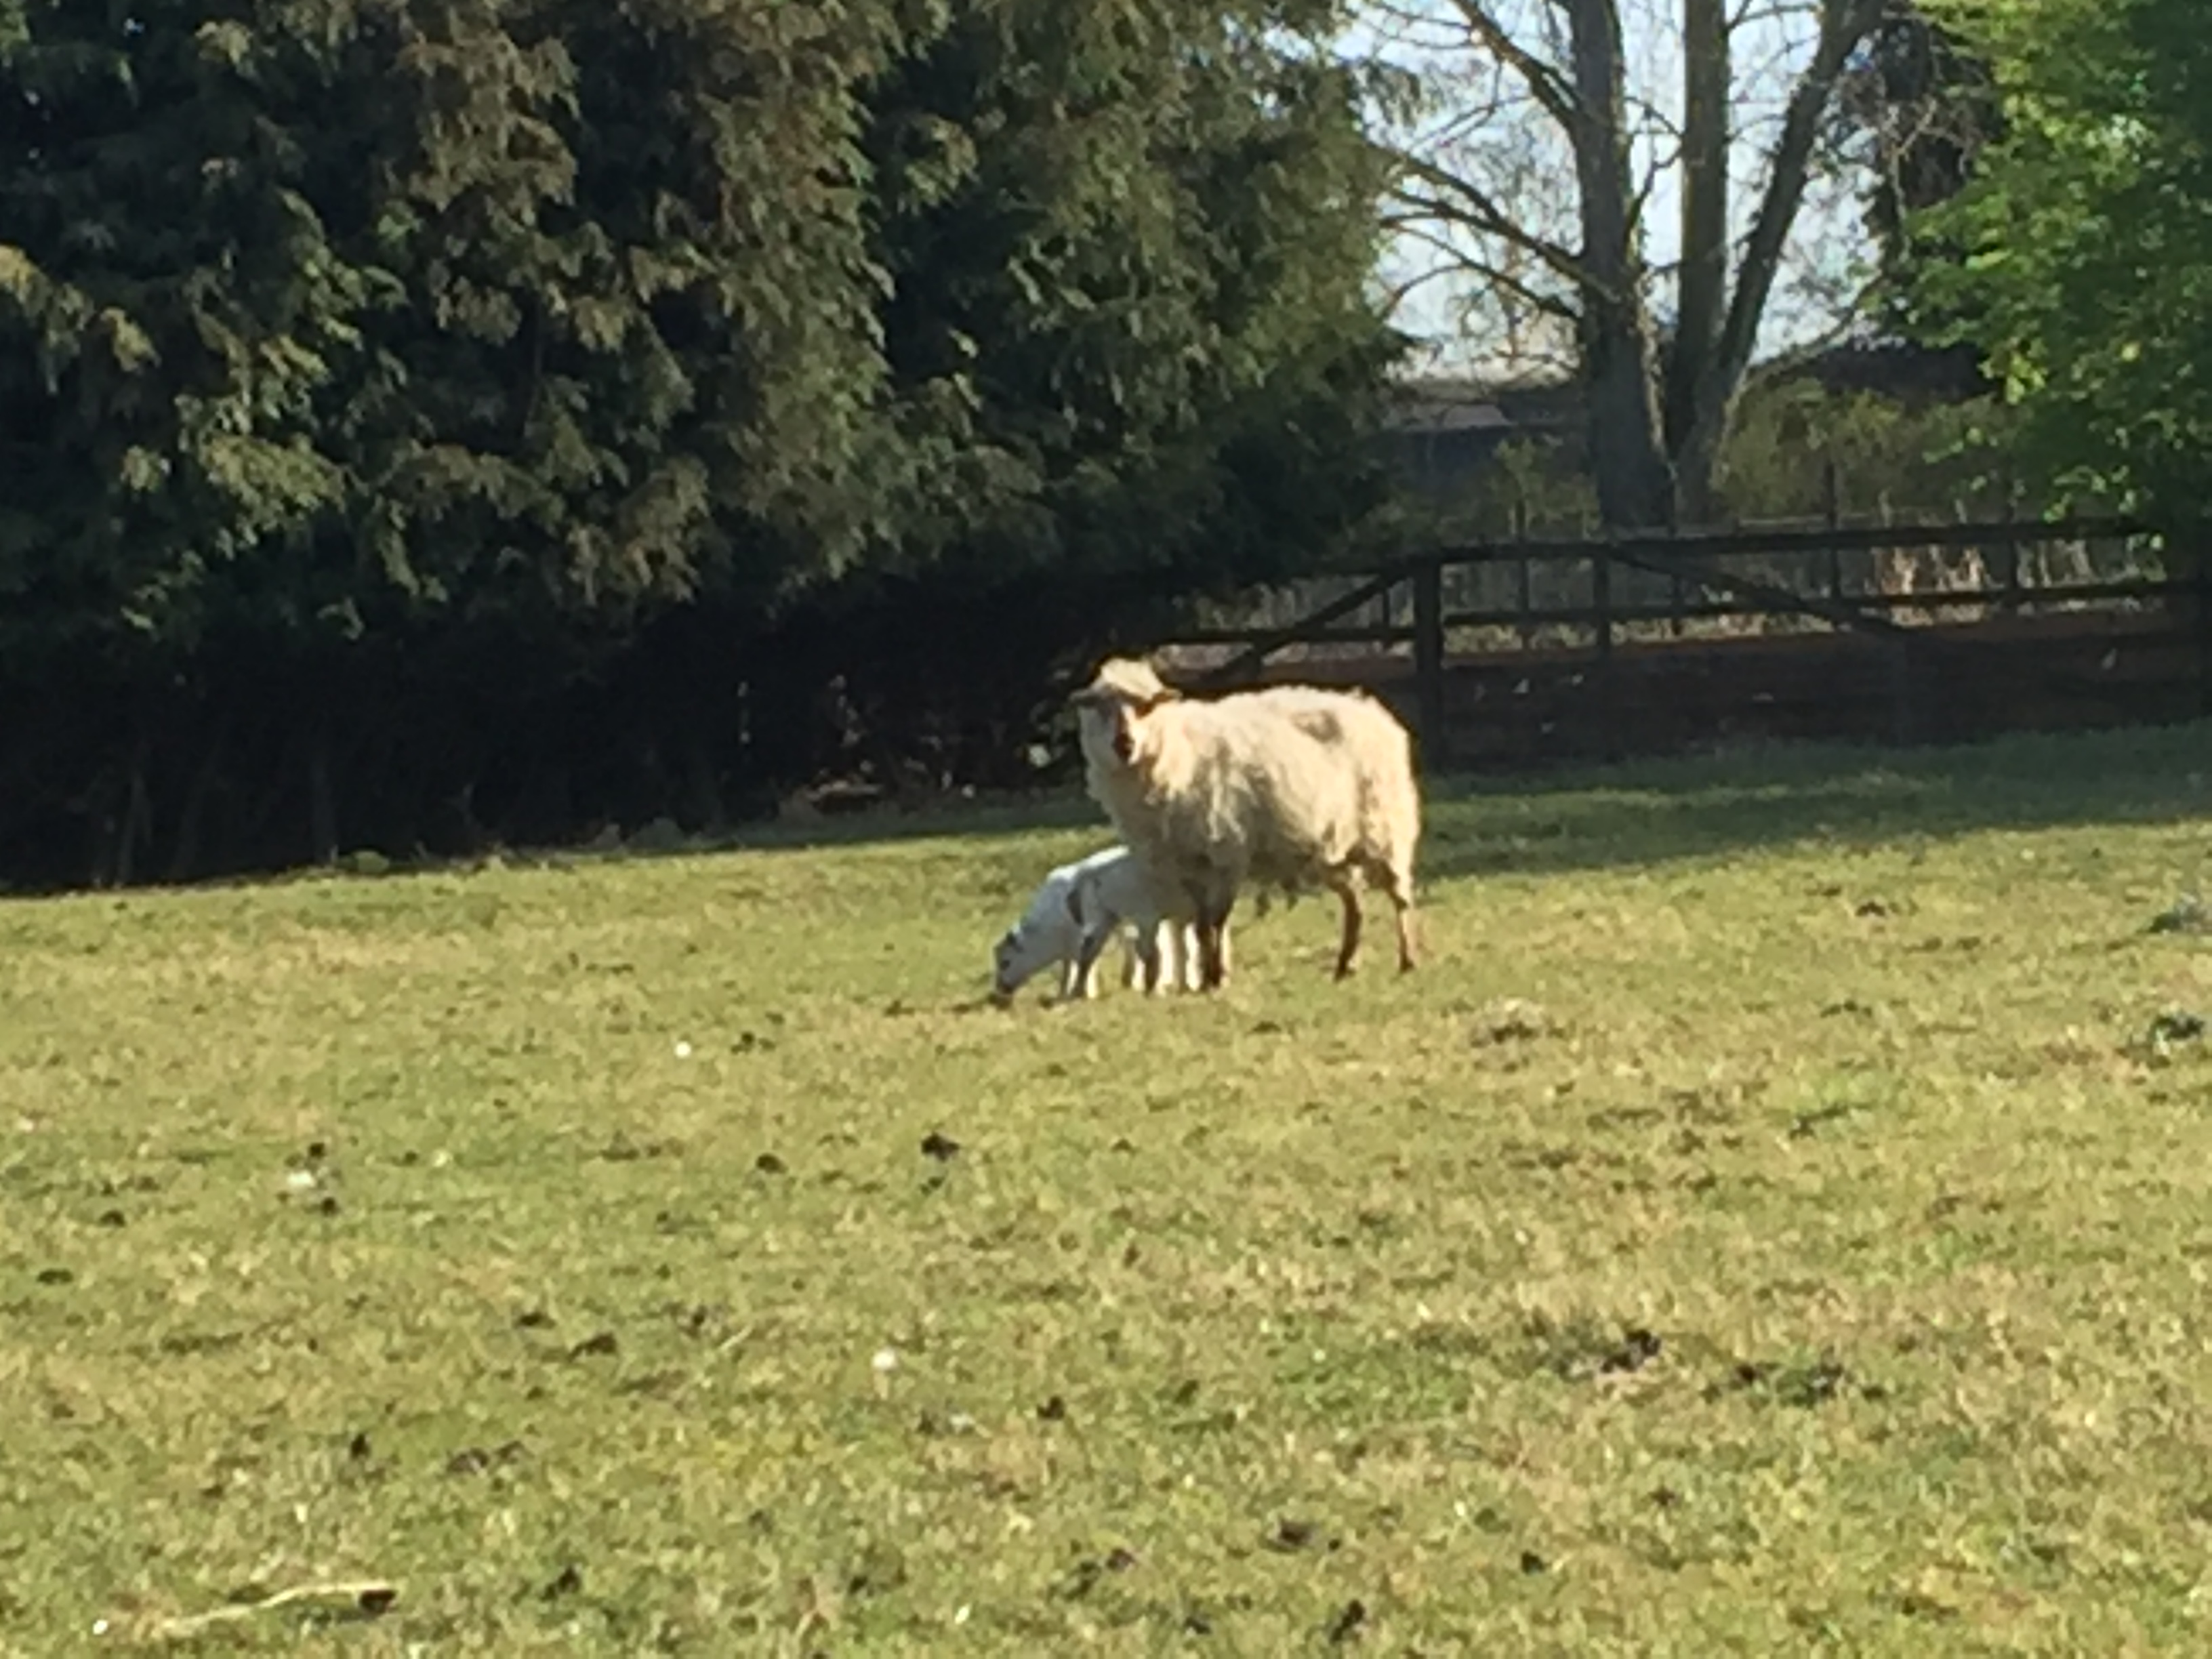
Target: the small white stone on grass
(683, 1051)
(885, 1362)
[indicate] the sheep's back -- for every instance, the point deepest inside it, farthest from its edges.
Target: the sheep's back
(1378, 748)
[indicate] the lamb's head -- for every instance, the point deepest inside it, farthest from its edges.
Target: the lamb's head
(1111, 711)
(1046, 934)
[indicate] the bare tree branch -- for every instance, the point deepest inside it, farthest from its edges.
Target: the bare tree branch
(1544, 81)
(1546, 219)
(1465, 261)
(1463, 202)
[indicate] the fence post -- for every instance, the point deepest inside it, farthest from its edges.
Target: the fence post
(1902, 724)
(1428, 663)
(1832, 480)
(1601, 606)
(1525, 594)
(2009, 578)
(2200, 555)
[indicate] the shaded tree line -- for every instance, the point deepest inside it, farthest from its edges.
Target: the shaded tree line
(428, 422)
(2078, 260)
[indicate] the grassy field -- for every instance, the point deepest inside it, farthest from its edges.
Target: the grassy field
(1776, 1219)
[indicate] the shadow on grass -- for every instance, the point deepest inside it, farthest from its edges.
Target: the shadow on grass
(1706, 806)
(1655, 812)
(1583, 818)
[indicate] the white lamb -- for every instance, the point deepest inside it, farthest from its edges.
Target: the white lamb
(1295, 788)
(1074, 914)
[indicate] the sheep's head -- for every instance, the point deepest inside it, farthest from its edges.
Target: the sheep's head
(1111, 709)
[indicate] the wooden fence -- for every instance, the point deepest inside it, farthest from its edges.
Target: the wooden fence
(1519, 651)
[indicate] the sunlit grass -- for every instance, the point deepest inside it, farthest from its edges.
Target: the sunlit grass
(1767, 1222)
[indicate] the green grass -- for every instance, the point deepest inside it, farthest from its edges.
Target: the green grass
(356, 1228)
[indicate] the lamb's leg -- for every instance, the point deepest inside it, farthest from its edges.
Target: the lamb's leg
(1186, 943)
(1086, 958)
(1134, 970)
(1348, 951)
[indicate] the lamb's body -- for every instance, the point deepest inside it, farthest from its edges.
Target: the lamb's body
(1272, 788)
(1075, 913)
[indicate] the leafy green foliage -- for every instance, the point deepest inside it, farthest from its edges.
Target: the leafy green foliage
(2087, 274)
(335, 334)
(1916, 107)
(332, 307)
(1128, 247)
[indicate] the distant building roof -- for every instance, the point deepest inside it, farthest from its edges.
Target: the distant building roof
(1901, 369)
(1424, 411)
(1440, 404)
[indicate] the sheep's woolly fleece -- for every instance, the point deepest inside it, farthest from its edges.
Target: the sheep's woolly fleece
(1292, 787)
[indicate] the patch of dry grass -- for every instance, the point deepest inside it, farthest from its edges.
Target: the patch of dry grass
(1768, 1223)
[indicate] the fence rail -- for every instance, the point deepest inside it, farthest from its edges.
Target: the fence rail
(1610, 593)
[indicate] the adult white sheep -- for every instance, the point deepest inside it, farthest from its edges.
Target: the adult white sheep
(1257, 787)
(1074, 914)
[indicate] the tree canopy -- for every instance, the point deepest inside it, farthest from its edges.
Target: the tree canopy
(2086, 241)
(324, 305)
(328, 325)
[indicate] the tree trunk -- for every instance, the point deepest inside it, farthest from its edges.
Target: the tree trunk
(1718, 376)
(138, 812)
(322, 799)
(184, 855)
(1702, 287)
(1635, 484)
(704, 785)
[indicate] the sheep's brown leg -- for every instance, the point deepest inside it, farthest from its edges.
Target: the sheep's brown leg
(1347, 953)
(1399, 884)
(1213, 945)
